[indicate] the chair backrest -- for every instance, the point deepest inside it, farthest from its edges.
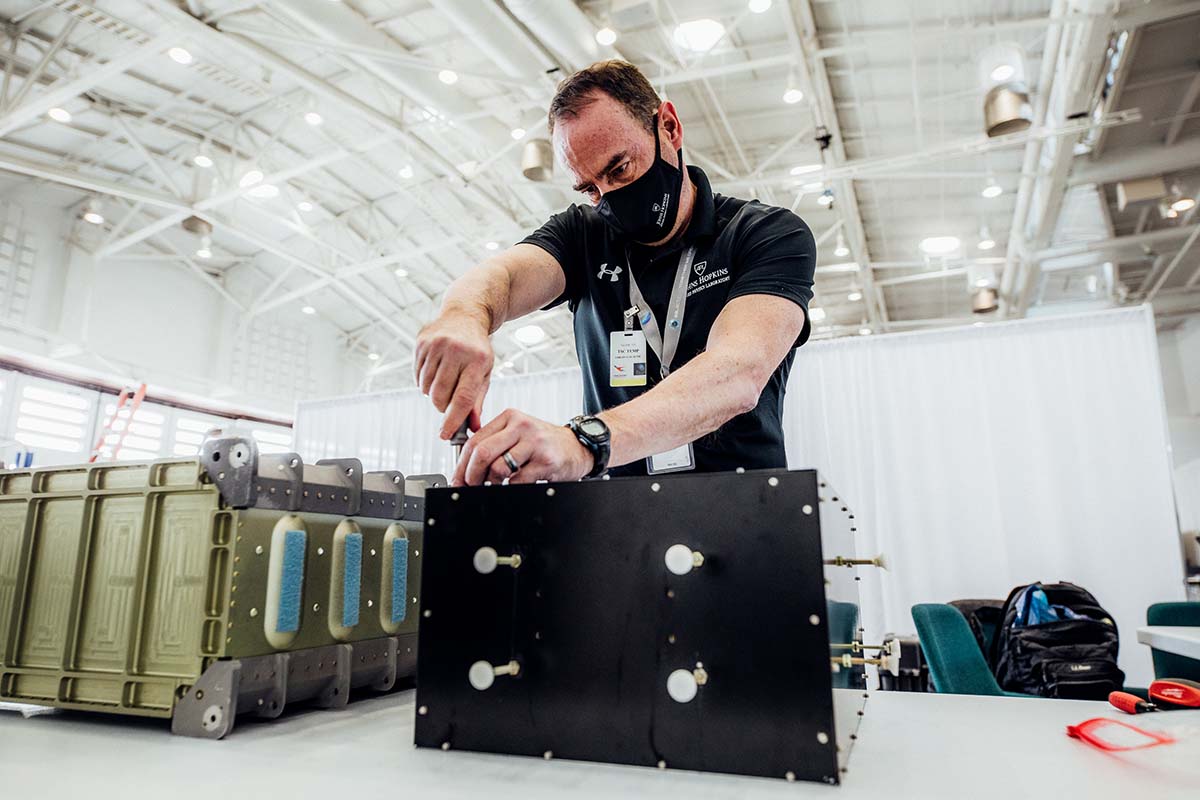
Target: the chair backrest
(1170, 665)
(955, 663)
(843, 619)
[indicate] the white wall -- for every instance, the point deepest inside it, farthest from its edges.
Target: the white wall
(157, 322)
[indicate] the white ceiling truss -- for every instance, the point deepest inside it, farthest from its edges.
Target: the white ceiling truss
(408, 172)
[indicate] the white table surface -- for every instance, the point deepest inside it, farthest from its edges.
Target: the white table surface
(909, 746)
(1178, 639)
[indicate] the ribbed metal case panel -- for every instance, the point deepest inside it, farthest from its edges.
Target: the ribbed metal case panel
(120, 584)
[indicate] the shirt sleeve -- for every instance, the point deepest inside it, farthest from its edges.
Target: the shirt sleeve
(563, 237)
(777, 255)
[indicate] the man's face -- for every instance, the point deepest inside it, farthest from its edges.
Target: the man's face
(604, 147)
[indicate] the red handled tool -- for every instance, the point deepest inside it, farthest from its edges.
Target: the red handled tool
(1177, 692)
(1130, 703)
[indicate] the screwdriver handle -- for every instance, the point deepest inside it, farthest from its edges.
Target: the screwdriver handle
(1130, 703)
(459, 439)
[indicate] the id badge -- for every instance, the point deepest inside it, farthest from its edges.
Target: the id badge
(677, 460)
(627, 358)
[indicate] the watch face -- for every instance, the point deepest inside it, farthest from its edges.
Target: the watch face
(593, 428)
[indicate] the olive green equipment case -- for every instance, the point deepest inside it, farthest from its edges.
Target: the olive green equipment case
(203, 588)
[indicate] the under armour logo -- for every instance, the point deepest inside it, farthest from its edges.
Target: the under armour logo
(611, 273)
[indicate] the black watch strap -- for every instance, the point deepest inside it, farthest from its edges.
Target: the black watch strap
(597, 443)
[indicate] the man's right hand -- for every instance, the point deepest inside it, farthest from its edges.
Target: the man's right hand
(453, 364)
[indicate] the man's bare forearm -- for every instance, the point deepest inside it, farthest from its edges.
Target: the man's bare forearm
(481, 294)
(692, 402)
(506, 286)
(746, 344)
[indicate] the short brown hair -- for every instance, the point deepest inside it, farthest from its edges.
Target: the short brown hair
(620, 80)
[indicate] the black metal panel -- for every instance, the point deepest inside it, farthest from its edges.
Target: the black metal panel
(597, 623)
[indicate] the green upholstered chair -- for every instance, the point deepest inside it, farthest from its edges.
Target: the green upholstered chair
(1170, 665)
(955, 663)
(843, 618)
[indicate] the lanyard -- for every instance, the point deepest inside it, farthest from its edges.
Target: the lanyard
(664, 346)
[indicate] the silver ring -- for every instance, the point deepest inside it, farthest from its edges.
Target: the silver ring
(513, 466)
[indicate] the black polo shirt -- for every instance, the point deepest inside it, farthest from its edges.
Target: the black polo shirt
(742, 247)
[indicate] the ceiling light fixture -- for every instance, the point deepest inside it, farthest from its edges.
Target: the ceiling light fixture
(986, 242)
(864, 331)
(826, 198)
(606, 36)
(406, 171)
(992, 189)
(304, 206)
(313, 118)
(448, 77)
(758, 6)
(59, 115)
(940, 245)
(518, 133)
(1183, 204)
(792, 95)
(401, 272)
(804, 169)
(373, 356)
(250, 176)
(529, 335)
(816, 314)
(854, 296)
(308, 310)
(202, 160)
(699, 35)
(205, 249)
(180, 55)
(492, 245)
(93, 213)
(263, 191)
(815, 186)
(508, 365)
(841, 250)
(1003, 72)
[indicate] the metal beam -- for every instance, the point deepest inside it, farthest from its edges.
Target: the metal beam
(64, 89)
(374, 53)
(164, 179)
(88, 183)
(1186, 101)
(825, 115)
(35, 75)
(1166, 273)
(1118, 243)
(1127, 163)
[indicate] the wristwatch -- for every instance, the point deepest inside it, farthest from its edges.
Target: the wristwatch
(593, 434)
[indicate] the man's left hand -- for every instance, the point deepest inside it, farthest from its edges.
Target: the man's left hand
(541, 450)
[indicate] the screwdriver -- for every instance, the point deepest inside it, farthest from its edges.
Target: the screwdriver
(1130, 703)
(458, 440)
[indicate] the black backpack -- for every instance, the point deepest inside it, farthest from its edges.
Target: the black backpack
(1069, 658)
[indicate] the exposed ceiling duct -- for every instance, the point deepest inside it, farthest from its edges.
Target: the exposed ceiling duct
(560, 26)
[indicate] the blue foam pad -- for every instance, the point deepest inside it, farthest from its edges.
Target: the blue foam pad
(351, 578)
(399, 580)
(292, 582)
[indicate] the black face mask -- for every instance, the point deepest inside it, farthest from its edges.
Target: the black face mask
(645, 210)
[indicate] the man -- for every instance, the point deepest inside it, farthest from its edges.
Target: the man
(687, 307)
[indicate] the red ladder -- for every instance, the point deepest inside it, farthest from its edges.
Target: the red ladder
(134, 398)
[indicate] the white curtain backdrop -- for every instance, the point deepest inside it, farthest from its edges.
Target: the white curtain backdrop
(975, 458)
(1187, 495)
(398, 429)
